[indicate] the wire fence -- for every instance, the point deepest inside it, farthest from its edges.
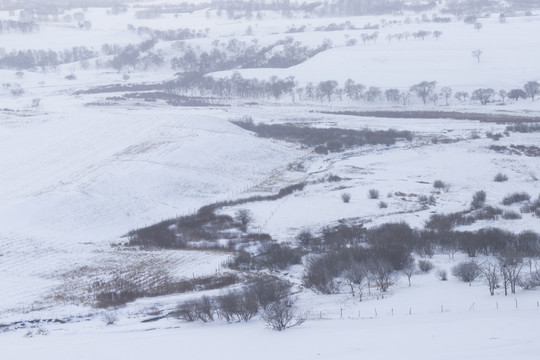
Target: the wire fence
(367, 312)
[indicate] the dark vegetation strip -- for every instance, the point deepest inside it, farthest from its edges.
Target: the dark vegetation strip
(325, 140)
(170, 98)
(496, 118)
(204, 225)
(120, 291)
(531, 151)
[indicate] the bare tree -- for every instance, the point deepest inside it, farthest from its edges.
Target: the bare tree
(516, 94)
(409, 268)
(476, 54)
(382, 274)
(281, 315)
(483, 95)
(491, 273)
(532, 88)
(327, 88)
(478, 26)
(446, 92)
(373, 93)
(355, 275)
(392, 95)
(466, 271)
(510, 264)
(243, 217)
(461, 96)
(503, 94)
(306, 238)
(424, 89)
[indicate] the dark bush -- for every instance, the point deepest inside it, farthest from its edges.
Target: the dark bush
(306, 238)
(320, 273)
(466, 271)
(342, 235)
(524, 127)
(446, 222)
(346, 197)
(486, 213)
(237, 305)
(533, 207)
(511, 215)
(242, 260)
(324, 140)
(392, 242)
(442, 274)
(425, 265)
(281, 315)
(373, 194)
(478, 199)
(500, 177)
(269, 290)
(201, 309)
(440, 185)
(516, 198)
(275, 256)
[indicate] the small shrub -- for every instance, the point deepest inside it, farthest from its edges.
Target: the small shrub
(533, 207)
(383, 205)
(276, 256)
(281, 315)
(511, 215)
(478, 200)
(466, 271)
(531, 281)
(187, 311)
(71, 77)
(110, 317)
(516, 198)
(440, 185)
(373, 194)
(500, 177)
(423, 200)
(201, 309)
(237, 305)
(346, 197)
(442, 274)
(494, 137)
(305, 238)
(243, 217)
(486, 213)
(333, 178)
(18, 91)
(321, 150)
(269, 290)
(425, 265)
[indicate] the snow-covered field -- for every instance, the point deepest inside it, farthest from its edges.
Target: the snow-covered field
(75, 179)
